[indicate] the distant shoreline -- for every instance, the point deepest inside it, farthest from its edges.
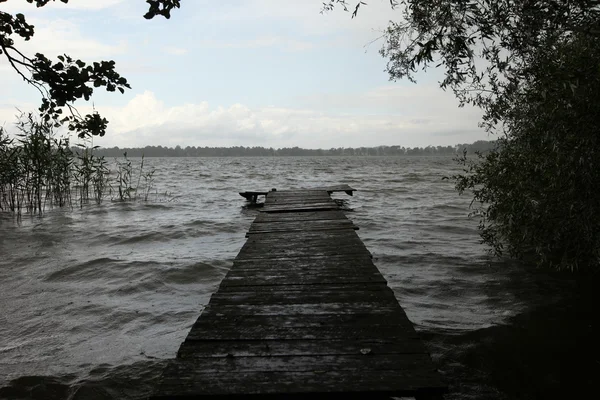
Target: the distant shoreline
(241, 151)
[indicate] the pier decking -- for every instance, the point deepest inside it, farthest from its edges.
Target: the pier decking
(302, 312)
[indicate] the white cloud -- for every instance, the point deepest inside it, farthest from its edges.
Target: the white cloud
(407, 116)
(417, 120)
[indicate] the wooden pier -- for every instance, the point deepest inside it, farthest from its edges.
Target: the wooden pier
(303, 312)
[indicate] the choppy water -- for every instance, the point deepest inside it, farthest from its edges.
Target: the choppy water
(92, 300)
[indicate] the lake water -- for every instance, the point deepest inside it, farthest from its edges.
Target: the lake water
(93, 300)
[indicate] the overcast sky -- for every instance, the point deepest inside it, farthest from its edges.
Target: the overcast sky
(273, 73)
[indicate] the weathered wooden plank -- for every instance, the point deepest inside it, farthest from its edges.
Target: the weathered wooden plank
(275, 270)
(271, 267)
(324, 228)
(297, 207)
(309, 234)
(271, 253)
(291, 206)
(308, 225)
(257, 241)
(306, 256)
(327, 189)
(278, 245)
(369, 363)
(290, 201)
(301, 309)
(301, 226)
(301, 288)
(273, 201)
(396, 317)
(325, 249)
(306, 246)
(324, 198)
(303, 203)
(302, 297)
(299, 279)
(270, 348)
(314, 238)
(260, 274)
(316, 248)
(306, 281)
(299, 192)
(337, 261)
(299, 201)
(189, 378)
(272, 274)
(324, 238)
(259, 332)
(300, 216)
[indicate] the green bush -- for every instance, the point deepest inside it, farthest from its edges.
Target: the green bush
(538, 192)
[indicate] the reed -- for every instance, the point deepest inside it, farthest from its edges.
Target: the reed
(39, 170)
(126, 174)
(9, 173)
(60, 173)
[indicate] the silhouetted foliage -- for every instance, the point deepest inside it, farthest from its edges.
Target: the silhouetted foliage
(65, 80)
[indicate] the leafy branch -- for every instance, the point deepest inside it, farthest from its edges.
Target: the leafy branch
(66, 80)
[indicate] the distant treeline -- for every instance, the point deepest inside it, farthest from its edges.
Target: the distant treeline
(257, 151)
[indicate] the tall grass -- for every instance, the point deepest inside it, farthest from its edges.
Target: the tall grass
(39, 170)
(91, 174)
(126, 175)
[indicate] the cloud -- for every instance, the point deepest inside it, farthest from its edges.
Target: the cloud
(396, 116)
(146, 120)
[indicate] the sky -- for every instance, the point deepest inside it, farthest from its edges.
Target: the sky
(272, 73)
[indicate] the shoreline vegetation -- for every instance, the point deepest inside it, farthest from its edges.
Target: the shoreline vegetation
(258, 151)
(40, 171)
